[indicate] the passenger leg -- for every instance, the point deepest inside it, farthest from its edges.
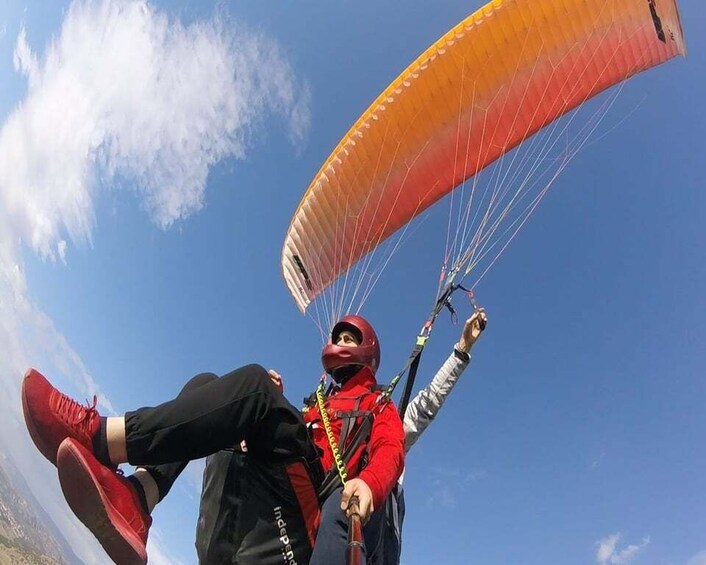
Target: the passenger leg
(332, 538)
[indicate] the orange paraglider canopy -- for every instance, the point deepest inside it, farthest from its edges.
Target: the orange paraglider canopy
(488, 84)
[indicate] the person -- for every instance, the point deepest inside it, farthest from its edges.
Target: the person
(288, 454)
(224, 482)
(424, 407)
(220, 503)
(419, 414)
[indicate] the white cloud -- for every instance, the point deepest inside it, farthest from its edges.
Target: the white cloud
(596, 462)
(698, 559)
(194, 476)
(120, 91)
(158, 554)
(124, 96)
(447, 482)
(607, 551)
(28, 337)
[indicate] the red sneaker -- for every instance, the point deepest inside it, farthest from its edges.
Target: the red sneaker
(105, 502)
(51, 416)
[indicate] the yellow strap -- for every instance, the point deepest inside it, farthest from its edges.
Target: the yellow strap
(342, 472)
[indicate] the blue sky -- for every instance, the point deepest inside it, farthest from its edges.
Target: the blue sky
(140, 238)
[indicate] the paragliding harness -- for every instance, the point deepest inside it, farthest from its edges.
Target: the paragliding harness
(342, 455)
(344, 449)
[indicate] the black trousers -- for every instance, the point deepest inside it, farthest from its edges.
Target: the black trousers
(212, 414)
(217, 414)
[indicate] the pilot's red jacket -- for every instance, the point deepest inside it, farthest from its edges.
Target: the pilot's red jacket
(385, 448)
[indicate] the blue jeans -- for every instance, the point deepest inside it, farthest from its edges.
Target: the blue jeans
(332, 539)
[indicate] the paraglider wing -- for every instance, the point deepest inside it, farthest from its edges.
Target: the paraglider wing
(488, 84)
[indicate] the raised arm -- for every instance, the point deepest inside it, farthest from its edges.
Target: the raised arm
(425, 406)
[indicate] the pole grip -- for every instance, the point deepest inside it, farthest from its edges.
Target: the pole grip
(354, 550)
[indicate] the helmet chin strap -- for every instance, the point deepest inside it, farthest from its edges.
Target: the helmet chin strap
(342, 374)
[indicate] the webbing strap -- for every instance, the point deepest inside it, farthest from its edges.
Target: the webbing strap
(444, 301)
(352, 414)
(410, 382)
(348, 422)
(332, 479)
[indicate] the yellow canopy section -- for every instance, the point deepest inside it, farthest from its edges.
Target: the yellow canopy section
(488, 84)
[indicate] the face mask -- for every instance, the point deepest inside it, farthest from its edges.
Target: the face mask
(342, 374)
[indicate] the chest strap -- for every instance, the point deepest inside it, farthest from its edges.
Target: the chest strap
(332, 480)
(349, 419)
(338, 474)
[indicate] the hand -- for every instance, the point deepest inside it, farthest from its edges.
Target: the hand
(359, 488)
(472, 329)
(276, 378)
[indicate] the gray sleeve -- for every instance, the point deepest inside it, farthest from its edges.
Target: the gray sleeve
(425, 406)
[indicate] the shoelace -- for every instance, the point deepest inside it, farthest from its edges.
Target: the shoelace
(75, 414)
(81, 417)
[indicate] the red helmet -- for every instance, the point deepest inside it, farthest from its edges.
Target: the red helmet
(367, 353)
